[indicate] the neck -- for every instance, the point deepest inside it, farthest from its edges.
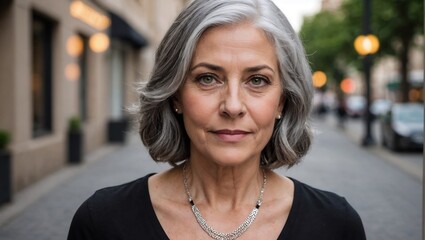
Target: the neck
(224, 188)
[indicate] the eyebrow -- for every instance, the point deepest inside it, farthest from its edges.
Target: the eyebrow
(258, 68)
(207, 65)
(221, 69)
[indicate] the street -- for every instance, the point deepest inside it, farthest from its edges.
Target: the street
(409, 161)
(387, 197)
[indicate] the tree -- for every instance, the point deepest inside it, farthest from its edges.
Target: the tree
(395, 23)
(329, 36)
(324, 36)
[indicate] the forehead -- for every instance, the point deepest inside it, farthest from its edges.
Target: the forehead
(243, 31)
(243, 40)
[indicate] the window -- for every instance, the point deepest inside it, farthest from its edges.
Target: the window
(117, 80)
(41, 75)
(82, 63)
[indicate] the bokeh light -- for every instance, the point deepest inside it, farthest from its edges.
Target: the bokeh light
(319, 79)
(74, 46)
(347, 86)
(99, 42)
(89, 15)
(366, 44)
(72, 71)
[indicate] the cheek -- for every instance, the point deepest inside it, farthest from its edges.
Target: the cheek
(197, 110)
(265, 113)
(265, 121)
(264, 117)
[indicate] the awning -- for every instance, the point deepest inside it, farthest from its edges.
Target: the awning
(122, 30)
(4, 4)
(415, 78)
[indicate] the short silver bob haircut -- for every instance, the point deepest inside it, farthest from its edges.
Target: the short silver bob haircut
(162, 130)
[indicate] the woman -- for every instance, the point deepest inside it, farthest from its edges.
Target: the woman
(227, 102)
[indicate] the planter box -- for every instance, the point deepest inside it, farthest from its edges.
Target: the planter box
(75, 147)
(117, 130)
(5, 177)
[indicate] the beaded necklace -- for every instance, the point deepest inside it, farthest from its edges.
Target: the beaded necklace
(211, 231)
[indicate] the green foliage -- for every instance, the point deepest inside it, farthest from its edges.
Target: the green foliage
(324, 36)
(74, 124)
(329, 36)
(5, 139)
(394, 22)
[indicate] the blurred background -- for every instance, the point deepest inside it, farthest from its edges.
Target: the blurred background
(70, 68)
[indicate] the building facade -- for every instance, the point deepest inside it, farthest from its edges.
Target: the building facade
(63, 59)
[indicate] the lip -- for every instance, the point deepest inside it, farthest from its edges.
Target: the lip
(229, 135)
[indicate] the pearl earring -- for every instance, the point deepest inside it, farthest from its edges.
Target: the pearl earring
(279, 116)
(177, 110)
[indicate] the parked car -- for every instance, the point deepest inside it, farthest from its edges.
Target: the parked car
(402, 127)
(380, 107)
(355, 106)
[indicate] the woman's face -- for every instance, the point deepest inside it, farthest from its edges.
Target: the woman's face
(232, 95)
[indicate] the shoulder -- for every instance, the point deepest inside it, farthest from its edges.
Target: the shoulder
(112, 209)
(325, 202)
(317, 198)
(127, 192)
(324, 213)
(121, 201)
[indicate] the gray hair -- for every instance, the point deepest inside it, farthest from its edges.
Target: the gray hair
(162, 130)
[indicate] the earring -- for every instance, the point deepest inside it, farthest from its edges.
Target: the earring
(279, 116)
(177, 110)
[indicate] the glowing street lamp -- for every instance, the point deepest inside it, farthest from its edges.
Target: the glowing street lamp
(366, 45)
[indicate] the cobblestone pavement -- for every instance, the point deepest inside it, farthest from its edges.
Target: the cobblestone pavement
(388, 199)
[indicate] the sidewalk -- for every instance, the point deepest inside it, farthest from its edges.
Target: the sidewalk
(29, 195)
(66, 189)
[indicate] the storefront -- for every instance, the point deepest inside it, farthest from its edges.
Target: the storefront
(64, 60)
(124, 59)
(416, 83)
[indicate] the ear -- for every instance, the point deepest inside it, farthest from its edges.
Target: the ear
(280, 108)
(281, 104)
(175, 103)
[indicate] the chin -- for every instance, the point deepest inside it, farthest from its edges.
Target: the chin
(234, 159)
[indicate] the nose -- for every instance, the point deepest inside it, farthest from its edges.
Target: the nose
(233, 104)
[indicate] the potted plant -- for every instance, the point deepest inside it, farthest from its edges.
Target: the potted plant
(75, 140)
(117, 129)
(5, 167)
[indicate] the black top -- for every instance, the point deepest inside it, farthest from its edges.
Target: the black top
(126, 212)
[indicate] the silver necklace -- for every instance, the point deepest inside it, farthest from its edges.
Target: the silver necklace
(211, 231)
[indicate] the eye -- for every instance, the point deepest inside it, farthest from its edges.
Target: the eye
(206, 79)
(259, 81)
